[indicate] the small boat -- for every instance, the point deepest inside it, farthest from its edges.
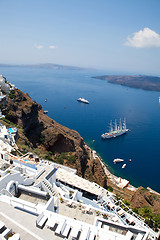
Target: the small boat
(45, 100)
(130, 160)
(83, 100)
(124, 165)
(45, 111)
(117, 160)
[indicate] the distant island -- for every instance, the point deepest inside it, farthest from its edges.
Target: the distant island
(43, 65)
(151, 83)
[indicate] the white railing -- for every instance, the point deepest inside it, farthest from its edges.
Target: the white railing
(138, 219)
(30, 207)
(40, 173)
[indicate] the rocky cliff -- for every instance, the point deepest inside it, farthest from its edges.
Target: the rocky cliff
(144, 198)
(43, 133)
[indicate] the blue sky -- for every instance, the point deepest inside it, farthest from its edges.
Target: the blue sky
(122, 35)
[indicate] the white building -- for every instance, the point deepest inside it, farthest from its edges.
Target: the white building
(6, 135)
(77, 208)
(4, 85)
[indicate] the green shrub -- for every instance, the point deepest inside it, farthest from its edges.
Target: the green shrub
(126, 202)
(12, 94)
(36, 151)
(70, 193)
(14, 152)
(118, 196)
(65, 156)
(59, 159)
(156, 218)
(1, 106)
(109, 188)
(48, 156)
(47, 196)
(6, 120)
(71, 159)
(3, 91)
(135, 210)
(145, 212)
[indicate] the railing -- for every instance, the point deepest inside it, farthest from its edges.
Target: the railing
(27, 207)
(74, 171)
(140, 220)
(40, 173)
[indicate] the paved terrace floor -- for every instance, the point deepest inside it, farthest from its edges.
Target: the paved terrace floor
(32, 199)
(76, 213)
(24, 223)
(81, 213)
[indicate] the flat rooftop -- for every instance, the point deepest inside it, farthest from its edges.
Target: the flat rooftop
(24, 223)
(78, 182)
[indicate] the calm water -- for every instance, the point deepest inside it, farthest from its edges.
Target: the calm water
(107, 102)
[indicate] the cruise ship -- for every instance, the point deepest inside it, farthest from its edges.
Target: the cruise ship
(83, 100)
(117, 130)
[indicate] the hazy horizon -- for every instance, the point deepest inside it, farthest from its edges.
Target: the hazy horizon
(119, 35)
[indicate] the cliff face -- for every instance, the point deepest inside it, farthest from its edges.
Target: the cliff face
(46, 134)
(144, 198)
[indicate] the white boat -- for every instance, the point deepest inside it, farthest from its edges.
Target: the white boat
(83, 100)
(45, 111)
(124, 165)
(117, 160)
(119, 129)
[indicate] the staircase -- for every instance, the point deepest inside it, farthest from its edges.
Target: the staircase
(50, 189)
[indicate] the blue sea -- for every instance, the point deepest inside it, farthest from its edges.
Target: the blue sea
(108, 102)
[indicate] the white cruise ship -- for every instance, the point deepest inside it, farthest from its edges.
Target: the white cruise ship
(83, 100)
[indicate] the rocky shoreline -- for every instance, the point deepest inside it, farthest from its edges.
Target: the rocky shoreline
(119, 185)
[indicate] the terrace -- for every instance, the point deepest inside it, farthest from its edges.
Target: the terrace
(32, 198)
(80, 208)
(81, 212)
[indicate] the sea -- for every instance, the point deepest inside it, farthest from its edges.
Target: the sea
(62, 88)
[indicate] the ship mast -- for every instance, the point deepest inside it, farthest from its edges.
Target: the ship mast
(120, 125)
(115, 126)
(111, 127)
(124, 125)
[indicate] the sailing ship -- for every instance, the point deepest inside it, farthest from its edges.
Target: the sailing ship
(117, 130)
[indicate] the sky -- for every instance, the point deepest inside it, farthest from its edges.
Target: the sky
(118, 35)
